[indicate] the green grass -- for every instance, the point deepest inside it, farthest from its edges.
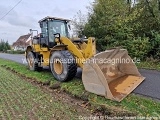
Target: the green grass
(149, 64)
(20, 99)
(15, 52)
(133, 103)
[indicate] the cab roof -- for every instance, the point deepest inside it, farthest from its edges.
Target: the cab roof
(53, 18)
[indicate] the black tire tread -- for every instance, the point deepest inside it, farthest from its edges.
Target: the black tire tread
(72, 66)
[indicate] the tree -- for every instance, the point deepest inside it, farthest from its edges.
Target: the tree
(7, 46)
(120, 23)
(105, 17)
(106, 22)
(132, 24)
(4, 46)
(149, 18)
(78, 23)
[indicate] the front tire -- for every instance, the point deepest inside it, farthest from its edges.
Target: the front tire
(62, 65)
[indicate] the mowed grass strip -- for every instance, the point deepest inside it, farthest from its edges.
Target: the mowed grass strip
(20, 99)
(135, 104)
(149, 64)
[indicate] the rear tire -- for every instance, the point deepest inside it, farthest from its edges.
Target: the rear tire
(63, 65)
(32, 62)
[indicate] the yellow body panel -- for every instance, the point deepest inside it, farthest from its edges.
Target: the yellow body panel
(43, 51)
(45, 57)
(39, 49)
(81, 51)
(90, 48)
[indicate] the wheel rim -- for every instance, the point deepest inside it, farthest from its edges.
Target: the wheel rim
(58, 66)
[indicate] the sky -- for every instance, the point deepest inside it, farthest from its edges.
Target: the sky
(26, 15)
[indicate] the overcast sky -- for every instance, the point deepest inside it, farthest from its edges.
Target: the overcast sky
(27, 14)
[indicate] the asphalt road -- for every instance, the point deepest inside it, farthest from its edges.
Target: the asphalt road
(150, 87)
(14, 57)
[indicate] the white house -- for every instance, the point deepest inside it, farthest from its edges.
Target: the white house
(22, 42)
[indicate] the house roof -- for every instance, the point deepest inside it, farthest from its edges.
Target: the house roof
(22, 40)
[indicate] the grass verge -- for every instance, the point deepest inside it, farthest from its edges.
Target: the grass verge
(131, 105)
(15, 52)
(149, 64)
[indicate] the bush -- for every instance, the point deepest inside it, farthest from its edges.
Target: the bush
(135, 29)
(137, 47)
(15, 52)
(155, 43)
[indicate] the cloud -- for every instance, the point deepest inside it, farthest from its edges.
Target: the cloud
(10, 32)
(14, 25)
(27, 14)
(16, 19)
(63, 13)
(25, 21)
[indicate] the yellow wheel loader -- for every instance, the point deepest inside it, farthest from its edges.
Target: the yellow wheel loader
(100, 75)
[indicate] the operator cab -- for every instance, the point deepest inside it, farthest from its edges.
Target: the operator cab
(50, 26)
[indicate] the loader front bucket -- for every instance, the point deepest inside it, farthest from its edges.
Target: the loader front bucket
(112, 74)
